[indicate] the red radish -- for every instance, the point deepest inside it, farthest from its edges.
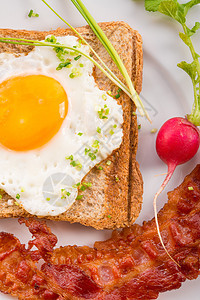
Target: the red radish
(177, 142)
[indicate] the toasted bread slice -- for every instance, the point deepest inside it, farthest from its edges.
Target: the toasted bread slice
(109, 203)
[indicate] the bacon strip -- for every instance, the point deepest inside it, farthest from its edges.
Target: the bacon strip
(130, 265)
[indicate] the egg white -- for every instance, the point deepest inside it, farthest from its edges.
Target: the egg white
(33, 177)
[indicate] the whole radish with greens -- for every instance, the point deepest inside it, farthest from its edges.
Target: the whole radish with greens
(178, 139)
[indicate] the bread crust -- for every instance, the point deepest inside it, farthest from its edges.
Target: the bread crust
(108, 203)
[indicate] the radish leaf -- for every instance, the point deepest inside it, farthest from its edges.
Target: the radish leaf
(178, 12)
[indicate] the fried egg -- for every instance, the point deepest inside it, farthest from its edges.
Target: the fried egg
(55, 125)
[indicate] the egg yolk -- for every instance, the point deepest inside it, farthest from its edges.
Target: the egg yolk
(32, 110)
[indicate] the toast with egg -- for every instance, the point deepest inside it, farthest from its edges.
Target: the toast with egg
(114, 198)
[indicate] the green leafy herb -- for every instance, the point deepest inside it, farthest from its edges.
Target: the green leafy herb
(178, 12)
(32, 14)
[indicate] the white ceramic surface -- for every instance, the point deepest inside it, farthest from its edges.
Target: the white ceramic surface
(166, 91)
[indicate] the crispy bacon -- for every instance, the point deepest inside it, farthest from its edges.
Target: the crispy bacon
(130, 265)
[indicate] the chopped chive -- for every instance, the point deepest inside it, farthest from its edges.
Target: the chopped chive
(77, 57)
(51, 39)
(1, 197)
(139, 126)
(16, 203)
(18, 196)
(79, 197)
(76, 185)
(74, 163)
(81, 65)
(22, 190)
(71, 75)
(98, 129)
(109, 217)
(154, 130)
(65, 193)
(104, 97)
(80, 133)
(92, 156)
(118, 93)
(190, 188)
(75, 73)
(108, 162)
(48, 199)
(69, 157)
(117, 96)
(77, 164)
(99, 167)
(103, 112)
(95, 144)
(114, 126)
(85, 186)
(32, 14)
(111, 132)
(116, 178)
(87, 150)
(63, 65)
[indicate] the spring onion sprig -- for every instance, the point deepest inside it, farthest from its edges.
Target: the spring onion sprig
(27, 42)
(117, 80)
(179, 12)
(112, 52)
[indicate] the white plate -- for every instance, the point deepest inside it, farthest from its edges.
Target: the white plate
(166, 92)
